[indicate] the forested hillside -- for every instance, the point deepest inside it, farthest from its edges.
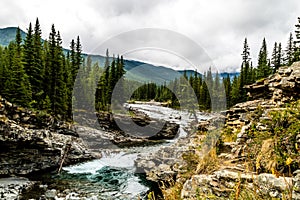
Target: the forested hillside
(40, 74)
(37, 74)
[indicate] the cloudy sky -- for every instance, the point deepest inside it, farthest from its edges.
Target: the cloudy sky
(176, 33)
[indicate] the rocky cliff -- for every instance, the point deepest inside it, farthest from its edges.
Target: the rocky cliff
(262, 159)
(32, 141)
(257, 153)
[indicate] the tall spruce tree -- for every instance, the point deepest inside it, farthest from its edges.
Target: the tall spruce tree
(2, 69)
(289, 52)
(245, 73)
(38, 66)
(235, 93)
(263, 68)
(279, 59)
(297, 42)
(276, 60)
(28, 53)
(107, 82)
(227, 87)
(17, 87)
(57, 91)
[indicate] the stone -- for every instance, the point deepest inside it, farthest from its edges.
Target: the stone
(51, 194)
(72, 196)
(283, 71)
(11, 188)
(269, 181)
(203, 125)
(164, 167)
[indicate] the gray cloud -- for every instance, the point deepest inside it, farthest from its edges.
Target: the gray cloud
(218, 27)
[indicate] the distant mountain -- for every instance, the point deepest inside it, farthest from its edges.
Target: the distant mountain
(142, 72)
(136, 70)
(189, 72)
(9, 34)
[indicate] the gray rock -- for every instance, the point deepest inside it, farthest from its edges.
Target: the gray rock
(12, 188)
(51, 194)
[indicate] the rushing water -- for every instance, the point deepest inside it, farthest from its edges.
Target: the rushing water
(113, 176)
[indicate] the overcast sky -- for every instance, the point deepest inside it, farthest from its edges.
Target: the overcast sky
(217, 26)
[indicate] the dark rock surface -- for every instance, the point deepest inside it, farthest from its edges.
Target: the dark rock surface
(138, 129)
(32, 141)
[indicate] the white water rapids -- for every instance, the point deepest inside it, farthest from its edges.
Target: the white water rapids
(114, 174)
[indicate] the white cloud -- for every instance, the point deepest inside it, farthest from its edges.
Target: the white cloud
(218, 26)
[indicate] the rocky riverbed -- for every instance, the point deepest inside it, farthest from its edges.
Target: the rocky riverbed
(35, 144)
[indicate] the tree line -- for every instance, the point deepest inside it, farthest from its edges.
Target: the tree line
(112, 74)
(206, 86)
(187, 90)
(38, 73)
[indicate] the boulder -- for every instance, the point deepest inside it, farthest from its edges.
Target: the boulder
(13, 187)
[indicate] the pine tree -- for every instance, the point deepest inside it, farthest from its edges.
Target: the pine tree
(78, 58)
(17, 80)
(2, 69)
(38, 72)
(72, 56)
(38, 66)
(106, 64)
(235, 93)
(112, 75)
(58, 88)
(245, 72)
(297, 42)
(274, 55)
(227, 86)
(276, 60)
(60, 98)
(289, 52)
(263, 68)
(28, 52)
(279, 57)
(252, 73)
(33, 63)
(111, 79)
(246, 52)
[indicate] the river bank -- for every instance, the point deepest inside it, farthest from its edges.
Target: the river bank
(36, 146)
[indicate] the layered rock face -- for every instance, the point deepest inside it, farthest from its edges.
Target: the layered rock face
(270, 94)
(32, 141)
(267, 95)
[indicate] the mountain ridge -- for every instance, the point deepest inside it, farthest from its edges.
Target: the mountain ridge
(145, 72)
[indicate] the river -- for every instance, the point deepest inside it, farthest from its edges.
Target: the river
(114, 175)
